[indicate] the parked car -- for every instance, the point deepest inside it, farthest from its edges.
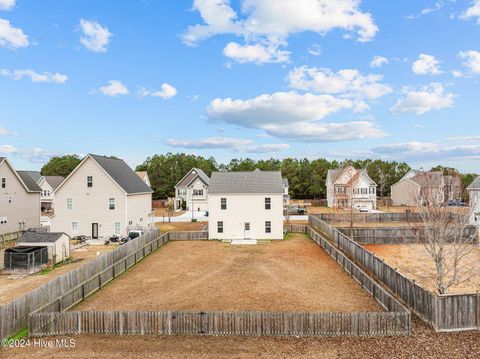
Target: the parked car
(456, 203)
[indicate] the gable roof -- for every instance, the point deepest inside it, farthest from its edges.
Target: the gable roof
(142, 174)
(34, 174)
(246, 182)
(285, 181)
(335, 174)
(191, 175)
(122, 174)
(28, 181)
(429, 179)
(54, 181)
(33, 237)
(475, 184)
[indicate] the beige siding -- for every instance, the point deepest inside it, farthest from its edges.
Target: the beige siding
(242, 208)
(23, 211)
(405, 193)
(90, 205)
(138, 209)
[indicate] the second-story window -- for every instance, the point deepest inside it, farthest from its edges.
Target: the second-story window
(89, 181)
(268, 203)
(111, 203)
(69, 203)
(364, 191)
(198, 192)
(4, 182)
(223, 203)
(372, 190)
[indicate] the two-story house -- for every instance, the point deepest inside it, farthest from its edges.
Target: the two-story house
(48, 184)
(245, 205)
(191, 192)
(422, 187)
(101, 198)
(19, 199)
(351, 188)
(474, 201)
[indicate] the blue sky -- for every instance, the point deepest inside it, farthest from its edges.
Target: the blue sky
(241, 78)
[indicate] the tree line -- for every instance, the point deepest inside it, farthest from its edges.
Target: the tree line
(306, 177)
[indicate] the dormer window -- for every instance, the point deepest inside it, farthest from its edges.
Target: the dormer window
(89, 181)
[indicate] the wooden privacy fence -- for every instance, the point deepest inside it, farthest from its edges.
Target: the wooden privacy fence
(392, 235)
(219, 323)
(375, 217)
(188, 236)
(443, 312)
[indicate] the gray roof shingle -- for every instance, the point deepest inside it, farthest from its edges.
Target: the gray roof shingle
(34, 174)
(54, 181)
(194, 172)
(33, 237)
(246, 182)
(122, 174)
(31, 185)
(475, 184)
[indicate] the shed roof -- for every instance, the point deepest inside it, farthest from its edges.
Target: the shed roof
(246, 182)
(34, 237)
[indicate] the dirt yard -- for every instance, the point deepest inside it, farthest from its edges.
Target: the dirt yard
(181, 226)
(413, 261)
(12, 287)
(160, 212)
(290, 275)
(423, 343)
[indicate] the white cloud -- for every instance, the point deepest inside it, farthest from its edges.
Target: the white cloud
(114, 88)
(35, 76)
(315, 50)
(428, 150)
(272, 22)
(472, 12)
(236, 144)
(293, 116)
(348, 82)
(257, 53)
(471, 60)
(5, 132)
(457, 73)
(12, 37)
(426, 65)
(166, 92)
(428, 98)
(6, 5)
(33, 155)
(95, 37)
(378, 61)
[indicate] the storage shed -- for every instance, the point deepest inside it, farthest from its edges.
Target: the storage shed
(58, 244)
(25, 257)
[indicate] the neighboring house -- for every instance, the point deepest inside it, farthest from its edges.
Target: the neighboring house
(286, 196)
(351, 188)
(144, 177)
(48, 184)
(474, 200)
(58, 244)
(191, 192)
(420, 187)
(35, 175)
(19, 199)
(101, 198)
(245, 205)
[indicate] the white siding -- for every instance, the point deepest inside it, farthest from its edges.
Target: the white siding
(200, 203)
(242, 208)
(90, 204)
(23, 211)
(474, 199)
(139, 207)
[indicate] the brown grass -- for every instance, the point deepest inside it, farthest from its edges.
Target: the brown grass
(13, 288)
(181, 226)
(159, 212)
(290, 275)
(413, 261)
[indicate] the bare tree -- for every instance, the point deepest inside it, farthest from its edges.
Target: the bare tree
(448, 239)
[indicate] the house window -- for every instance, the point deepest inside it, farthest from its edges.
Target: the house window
(111, 203)
(219, 227)
(223, 203)
(4, 182)
(117, 228)
(364, 191)
(268, 227)
(181, 192)
(198, 192)
(74, 227)
(130, 223)
(372, 190)
(268, 203)
(89, 181)
(69, 203)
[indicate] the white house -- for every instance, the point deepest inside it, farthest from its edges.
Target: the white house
(192, 190)
(348, 187)
(474, 199)
(58, 244)
(19, 200)
(144, 177)
(245, 205)
(48, 184)
(100, 198)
